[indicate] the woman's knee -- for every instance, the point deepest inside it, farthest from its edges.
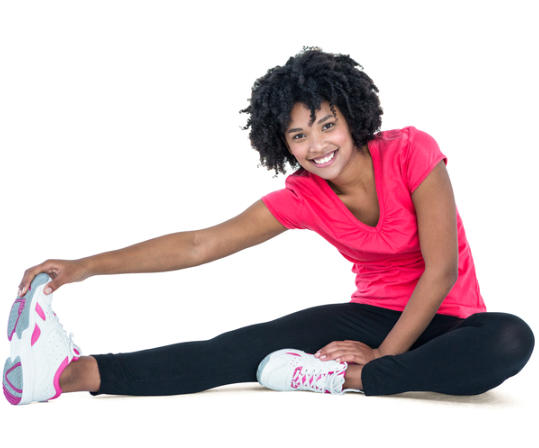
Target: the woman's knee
(517, 339)
(510, 337)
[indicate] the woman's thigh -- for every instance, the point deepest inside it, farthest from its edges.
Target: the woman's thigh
(241, 350)
(312, 328)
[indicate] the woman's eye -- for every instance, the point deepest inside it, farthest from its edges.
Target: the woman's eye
(328, 125)
(297, 136)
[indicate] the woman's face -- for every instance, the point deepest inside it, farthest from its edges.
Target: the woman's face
(324, 148)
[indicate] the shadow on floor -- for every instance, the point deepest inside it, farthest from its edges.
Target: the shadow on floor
(490, 397)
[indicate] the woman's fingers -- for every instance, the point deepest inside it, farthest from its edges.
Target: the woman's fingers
(29, 275)
(53, 285)
(332, 346)
(349, 351)
(324, 350)
(329, 350)
(339, 355)
(27, 278)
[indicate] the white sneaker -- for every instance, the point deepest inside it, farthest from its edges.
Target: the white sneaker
(40, 348)
(290, 369)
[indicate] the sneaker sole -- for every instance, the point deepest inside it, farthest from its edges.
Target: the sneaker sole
(13, 380)
(22, 332)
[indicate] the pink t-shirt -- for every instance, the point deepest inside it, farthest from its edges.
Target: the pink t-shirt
(387, 258)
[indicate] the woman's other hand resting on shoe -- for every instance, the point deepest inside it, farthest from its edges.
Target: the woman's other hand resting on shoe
(354, 352)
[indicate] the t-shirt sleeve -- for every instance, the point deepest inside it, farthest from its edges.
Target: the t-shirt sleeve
(287, 207)
(422, 155)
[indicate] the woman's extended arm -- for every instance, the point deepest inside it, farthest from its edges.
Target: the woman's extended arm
(166, 253)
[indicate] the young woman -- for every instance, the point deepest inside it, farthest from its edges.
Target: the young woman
(417, 321)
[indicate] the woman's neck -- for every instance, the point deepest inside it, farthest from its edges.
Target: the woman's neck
(357, 178)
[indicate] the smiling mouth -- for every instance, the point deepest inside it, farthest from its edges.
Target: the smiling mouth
(321, 157)
(331, 156)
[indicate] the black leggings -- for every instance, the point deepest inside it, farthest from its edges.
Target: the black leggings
(452, 356)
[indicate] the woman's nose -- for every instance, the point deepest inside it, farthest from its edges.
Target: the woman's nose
(317, 144)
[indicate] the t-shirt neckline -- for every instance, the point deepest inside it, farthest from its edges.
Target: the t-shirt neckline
(371, 145)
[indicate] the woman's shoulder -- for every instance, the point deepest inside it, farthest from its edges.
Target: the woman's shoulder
(401, 142)
(298, 178)
(304, 183)
(404, 133)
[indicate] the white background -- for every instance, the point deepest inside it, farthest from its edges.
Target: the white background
(119, 122)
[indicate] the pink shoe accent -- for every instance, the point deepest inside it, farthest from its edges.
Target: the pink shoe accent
(76, 351)
(9, 382)
(22, 302)
(40, 311)
(35, 335)
(11, 398)
(292, 353)
(7, 393)
(64, 364)
(297, 372)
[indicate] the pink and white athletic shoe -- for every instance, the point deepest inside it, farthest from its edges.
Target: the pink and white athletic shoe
(290, 369)
(40, 348)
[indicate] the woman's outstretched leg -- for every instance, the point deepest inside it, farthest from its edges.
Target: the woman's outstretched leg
(233, 357)
(478, 354)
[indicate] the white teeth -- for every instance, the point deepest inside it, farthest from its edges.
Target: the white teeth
(325, 159)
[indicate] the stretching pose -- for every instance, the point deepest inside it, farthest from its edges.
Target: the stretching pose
(416, 322)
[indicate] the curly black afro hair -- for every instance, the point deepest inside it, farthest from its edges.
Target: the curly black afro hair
(310, 77)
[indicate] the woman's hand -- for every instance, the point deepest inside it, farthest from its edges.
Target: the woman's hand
(61, 272)
(354, 352)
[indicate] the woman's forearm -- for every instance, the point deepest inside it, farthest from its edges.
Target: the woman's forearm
(165, 253)
(429, 293)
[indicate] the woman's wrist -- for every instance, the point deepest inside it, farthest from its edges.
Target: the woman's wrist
(89, 266)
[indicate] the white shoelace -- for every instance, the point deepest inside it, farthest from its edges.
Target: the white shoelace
(74, 348)
(318, 380)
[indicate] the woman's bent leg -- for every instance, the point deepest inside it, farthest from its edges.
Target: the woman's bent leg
(478, 354)
(233, 357)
